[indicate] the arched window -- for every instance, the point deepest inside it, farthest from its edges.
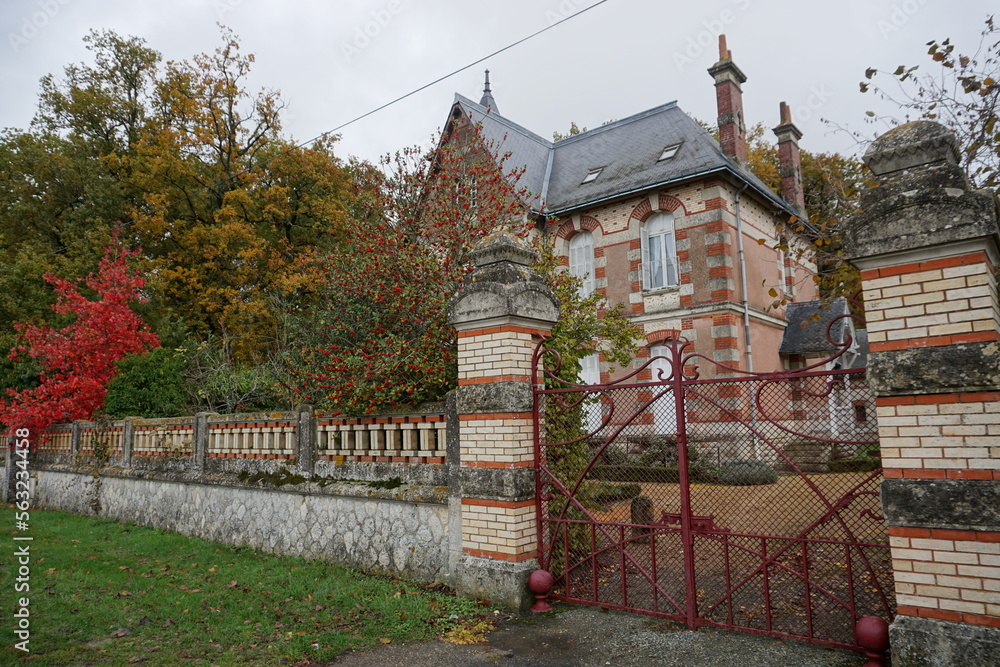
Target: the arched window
(581, 260)
(659, 252)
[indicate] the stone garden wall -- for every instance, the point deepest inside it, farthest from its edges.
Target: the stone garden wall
(371, 493)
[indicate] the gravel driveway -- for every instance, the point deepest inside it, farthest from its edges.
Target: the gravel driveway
(587, 636)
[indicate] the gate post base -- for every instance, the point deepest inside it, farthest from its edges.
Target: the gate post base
(920, 642)
(501, 582)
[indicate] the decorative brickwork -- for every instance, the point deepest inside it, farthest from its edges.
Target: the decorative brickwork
(489, 354)
(942, 301)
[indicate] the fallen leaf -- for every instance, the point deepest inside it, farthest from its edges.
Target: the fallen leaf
(385, 640)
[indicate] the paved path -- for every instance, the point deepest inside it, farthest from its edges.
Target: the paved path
(586, 636)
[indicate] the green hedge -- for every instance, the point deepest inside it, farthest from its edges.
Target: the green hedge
(854, 465)
(605, 492)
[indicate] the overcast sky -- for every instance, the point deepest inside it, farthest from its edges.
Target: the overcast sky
(336, 60)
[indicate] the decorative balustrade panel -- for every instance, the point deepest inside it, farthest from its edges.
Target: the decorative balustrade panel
(57, 440)
(272, 439)
(97, 440)
(409, 439)
(152, 439)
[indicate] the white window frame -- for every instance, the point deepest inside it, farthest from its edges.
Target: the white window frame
(581, 261)
(590, 373)
(660, 268)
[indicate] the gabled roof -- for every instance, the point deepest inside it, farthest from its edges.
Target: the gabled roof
(808, 321)
(628, 150)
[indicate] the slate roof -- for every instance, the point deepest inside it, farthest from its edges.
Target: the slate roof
(807, 336)
(627, 149)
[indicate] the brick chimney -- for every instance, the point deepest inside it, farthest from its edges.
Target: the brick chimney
(729, 97)
(789, 162)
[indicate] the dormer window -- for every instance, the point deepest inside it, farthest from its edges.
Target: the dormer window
(669, 152)
(592, 175)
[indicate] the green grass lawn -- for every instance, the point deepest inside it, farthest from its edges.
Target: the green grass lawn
(104, 593)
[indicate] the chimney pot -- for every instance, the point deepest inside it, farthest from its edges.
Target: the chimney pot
(786, 113)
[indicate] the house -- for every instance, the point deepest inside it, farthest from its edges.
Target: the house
(658, 216)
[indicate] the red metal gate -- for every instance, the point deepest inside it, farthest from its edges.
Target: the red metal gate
(715, 497)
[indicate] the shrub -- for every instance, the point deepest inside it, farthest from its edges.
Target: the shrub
(147, 385)
(854, 465)
(868, 458)
(746, 472)
(605, 492)
(635, 474)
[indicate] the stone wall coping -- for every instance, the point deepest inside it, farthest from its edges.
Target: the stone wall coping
(426, 409)
(407, 493)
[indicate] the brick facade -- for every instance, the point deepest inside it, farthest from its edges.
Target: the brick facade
(709, 291)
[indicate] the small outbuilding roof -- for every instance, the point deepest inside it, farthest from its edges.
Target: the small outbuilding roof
(816, 327)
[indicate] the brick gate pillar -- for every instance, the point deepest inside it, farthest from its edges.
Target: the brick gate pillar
(498, 315)
(927, 248)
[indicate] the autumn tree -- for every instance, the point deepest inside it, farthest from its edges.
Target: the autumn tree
(380, 338)
(233, 215)
(65, 182)
(962, 93)
(78, 360)
(183, 160)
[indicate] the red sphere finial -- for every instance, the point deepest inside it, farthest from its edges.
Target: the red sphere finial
(872, 634)
(540, 583)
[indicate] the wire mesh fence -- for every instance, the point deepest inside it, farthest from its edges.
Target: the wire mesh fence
(742, 501)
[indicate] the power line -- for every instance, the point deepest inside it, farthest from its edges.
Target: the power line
(327, 133)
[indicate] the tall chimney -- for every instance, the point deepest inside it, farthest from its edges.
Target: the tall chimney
(789, 161)
(729, 98)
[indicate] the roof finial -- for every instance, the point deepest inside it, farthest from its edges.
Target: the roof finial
(487, 100)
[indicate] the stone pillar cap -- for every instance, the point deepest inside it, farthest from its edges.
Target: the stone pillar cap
(914, 144)
(501, 246)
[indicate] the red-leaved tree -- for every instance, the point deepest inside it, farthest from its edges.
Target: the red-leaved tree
(78, 360)
(381, 337)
